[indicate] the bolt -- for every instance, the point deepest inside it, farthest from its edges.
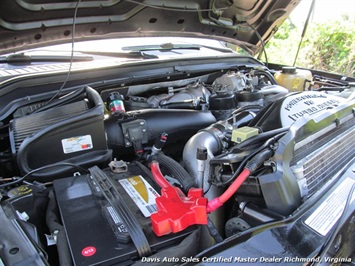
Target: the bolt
(242, 205)
(142, 123)
(338, 243)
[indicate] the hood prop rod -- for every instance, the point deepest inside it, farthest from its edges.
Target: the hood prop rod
(311, 9)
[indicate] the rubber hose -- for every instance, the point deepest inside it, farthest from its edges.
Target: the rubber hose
(267, 74)
(259, 159)
(177, 171)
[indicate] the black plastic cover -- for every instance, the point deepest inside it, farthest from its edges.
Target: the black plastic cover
(73, 133)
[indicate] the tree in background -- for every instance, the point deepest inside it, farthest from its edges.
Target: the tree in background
(327, 46)
(283, 46)
(330, 47)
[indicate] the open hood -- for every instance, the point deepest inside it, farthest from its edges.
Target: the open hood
(26, 24)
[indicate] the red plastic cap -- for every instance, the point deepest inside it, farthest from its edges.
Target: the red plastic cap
(176, 212)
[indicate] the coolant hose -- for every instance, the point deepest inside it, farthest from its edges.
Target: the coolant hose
(177, 171)
(219, 201)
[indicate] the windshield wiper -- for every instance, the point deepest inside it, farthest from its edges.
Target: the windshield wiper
(132, 55)
(172, 46)
(28, 59)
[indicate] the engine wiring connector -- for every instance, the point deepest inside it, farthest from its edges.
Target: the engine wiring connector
(176, 211)
(241, 134)
(159, 143)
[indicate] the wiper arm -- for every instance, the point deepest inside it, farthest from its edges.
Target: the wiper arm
(132, 54)
(171, 46)
(27, 59)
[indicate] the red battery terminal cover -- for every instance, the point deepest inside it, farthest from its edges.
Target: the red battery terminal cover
(176, 211)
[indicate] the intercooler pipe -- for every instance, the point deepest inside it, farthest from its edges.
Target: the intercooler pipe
(177, 171)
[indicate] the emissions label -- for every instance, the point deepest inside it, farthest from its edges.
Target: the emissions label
(328, 213)
(306, 103)
(141, 193)
(75, 144)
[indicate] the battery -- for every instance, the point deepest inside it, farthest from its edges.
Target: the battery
(95, 231)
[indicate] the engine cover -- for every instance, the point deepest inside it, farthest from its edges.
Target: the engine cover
(286, 111)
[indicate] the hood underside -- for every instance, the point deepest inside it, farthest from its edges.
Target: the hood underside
(26, 24)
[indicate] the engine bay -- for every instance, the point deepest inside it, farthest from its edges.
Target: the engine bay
(113, 174)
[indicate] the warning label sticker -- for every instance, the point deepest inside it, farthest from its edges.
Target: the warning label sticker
(328, 213)
(141, 193)
(75, 144)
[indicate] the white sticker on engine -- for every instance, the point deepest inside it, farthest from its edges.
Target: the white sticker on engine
(328, 213)
(76, 144)
(142, 193)
(306, 103)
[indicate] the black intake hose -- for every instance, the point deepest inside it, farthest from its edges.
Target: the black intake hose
(177, 171)
(177, 123)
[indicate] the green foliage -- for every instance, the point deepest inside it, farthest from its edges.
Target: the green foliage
(327, 46)
(284, 31)
(283, 46)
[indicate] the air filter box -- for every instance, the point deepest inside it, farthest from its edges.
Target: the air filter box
(70, 133)
(95, 231)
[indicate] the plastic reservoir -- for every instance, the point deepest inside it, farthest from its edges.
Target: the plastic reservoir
(294, 79)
